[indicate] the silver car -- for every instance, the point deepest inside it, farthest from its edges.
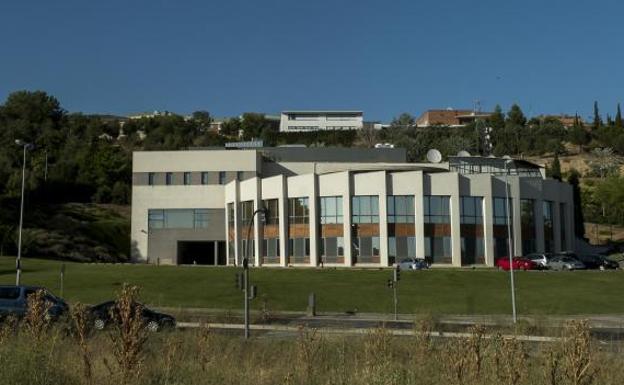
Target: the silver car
(540, 259)
(562, 262)
(413, 264)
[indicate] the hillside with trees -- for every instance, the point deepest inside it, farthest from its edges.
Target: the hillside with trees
(78, 174)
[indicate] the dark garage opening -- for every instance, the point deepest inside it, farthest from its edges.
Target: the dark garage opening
(196, 253)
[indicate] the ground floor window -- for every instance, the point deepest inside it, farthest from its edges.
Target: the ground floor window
(366, 249)
(271, 250)
(438, 249)
(400, 248)
(332, 250)
(472, 250)
(501, 247)
(299, 250)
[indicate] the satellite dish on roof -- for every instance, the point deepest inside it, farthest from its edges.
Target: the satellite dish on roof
(434, 156)
(463, 153)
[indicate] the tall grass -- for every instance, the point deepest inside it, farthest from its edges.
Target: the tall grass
(34, 352)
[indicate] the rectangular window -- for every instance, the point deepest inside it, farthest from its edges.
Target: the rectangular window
(500, 211)
(179, 219)
(156, 219)
(204, 177)
(549, 234)
(437, 209)
(246, 212)
(527, 217)
(400, 209)
(168, 178)
(365, 209)
(150, 178)
(221, 177)
(272, 211)
(298, 211)
(201, 218)
(331, 210)
(471, 210)
(562, 225)
(187, 178)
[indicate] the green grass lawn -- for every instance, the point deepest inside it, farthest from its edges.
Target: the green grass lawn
(437, 291)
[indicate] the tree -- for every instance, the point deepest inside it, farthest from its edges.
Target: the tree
(597, 119)
(605, 162)
(555, 168)
(578, 135)
(497, 119)
(231, 127)
(368, 136)
(405, 120)
(202, 118)
(618, 117)
(579, 221)
(515, 116)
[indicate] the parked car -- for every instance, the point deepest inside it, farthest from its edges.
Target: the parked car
(541, 259)
(14, 301)
(519, 263)
(413, 264)
(565, 262)
(595, 261)
(103, 315)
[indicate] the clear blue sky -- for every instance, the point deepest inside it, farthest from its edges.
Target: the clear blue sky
(383, 57)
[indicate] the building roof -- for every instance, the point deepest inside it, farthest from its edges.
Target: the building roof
(322, 112)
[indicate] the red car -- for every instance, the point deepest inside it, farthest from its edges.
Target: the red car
(519, 263)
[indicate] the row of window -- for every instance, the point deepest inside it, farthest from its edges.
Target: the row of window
(365, 209)
(178, 218)
(186, 177)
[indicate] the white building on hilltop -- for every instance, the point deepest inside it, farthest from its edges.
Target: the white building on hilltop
(301, 121)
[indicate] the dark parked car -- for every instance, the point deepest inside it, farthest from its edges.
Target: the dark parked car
(14, 301)
(595, 261)
(102, 315)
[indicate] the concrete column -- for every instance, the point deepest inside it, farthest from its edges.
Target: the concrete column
(237, 252)
(257, 222)
(557, 225)
(570, 235)
(514, 194)
(455, 219)
(383, 223)
(283, 222)
(488, 223)
(216, 249)
(540, 244)
(346, 212)
(419, 220)
(314, 217)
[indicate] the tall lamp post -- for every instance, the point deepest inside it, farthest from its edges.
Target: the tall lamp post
(246, 291)
(509, 239)
(18, 263)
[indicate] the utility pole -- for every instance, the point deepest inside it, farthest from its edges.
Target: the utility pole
(18, 262)
(510, 245)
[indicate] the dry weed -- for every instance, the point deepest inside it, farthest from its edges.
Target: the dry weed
(129, 337)
(578, 367)
(37, 317)
(80, 320)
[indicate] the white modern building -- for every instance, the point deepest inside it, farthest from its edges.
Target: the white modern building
(341, 207)
(302, 121)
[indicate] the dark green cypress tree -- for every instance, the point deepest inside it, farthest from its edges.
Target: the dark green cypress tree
(618, 117)
(555, 168)
(597, 120)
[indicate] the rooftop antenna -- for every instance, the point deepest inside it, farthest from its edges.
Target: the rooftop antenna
(434, 156)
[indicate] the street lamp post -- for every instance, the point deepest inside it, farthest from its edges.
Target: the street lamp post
(246, 288)
(18, 262)
(509, 239)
